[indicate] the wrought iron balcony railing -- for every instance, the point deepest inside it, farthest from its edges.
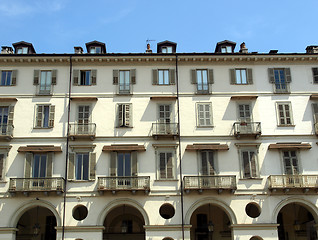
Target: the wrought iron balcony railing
(44, 90)
(124, 183)
(292, 181)
(36, 185)
(82, 130)
(281, 87)
(165, 129)
(247, 129)
(6, 131)
(210, 182)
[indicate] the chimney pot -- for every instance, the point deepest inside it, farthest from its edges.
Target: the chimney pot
(243, 48)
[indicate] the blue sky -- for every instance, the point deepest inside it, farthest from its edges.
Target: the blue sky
(56, 26)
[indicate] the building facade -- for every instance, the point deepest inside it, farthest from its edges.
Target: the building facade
(158, 146)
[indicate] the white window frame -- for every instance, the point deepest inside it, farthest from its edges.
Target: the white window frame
(166, 49)
(50, 107)
(242, 167)
(285, 117)
(215, 162)
(124, 81)
(93, 50)
(200, 75)
(46, 77)
(121, 111)
(76, 164)
(166, 150)
(204, 104)
(89, 83)
(4, 160)
(226, 49)
(6, 78)
(165, 73)
(22, 50)
(297, 154)
(33, 163)
(239, 76)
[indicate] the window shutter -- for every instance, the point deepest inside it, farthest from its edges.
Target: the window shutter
(211, 163)
(128, 115)
(253, 164)
(51, 116)
(162, 165)
(36, 77)
(1, 166)
(172, 76)
(210, 76)
(315, 74)
(49, 165)
(287, 74)
(94, 77)
(115, 76)
(76, 74)
(271, 75)
(28, 162)
(0, 76)
(154, 77)
(112, 168)
(92, 166)
(133, 76)
(14, 78)
(120, 110)
(71, 166)
(10, 116)
(315, 111)
(200, 115)
(204, 165)
(39, 116)
(246, 164)
(193, 76)
(134, 170)
(54, 76)
(249, 76)
(232, 76)
(169, 165)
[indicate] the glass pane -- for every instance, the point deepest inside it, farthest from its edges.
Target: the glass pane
(238, 76)
(120, 164)
(78, 166)
(46, 116)
(36, 164)
(43, 166)
(160, 76)
(85, 166)
(243, 76)
(166, 77)
(127, 165)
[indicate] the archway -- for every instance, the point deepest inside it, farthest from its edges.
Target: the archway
(210, 222)
(124, 222)
(36, 223)
(296, 222)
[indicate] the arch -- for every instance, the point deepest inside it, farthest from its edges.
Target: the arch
(214, 201)
(306, 204)
(124, 201)
(167, 238)
(31, 204)
(256, 238)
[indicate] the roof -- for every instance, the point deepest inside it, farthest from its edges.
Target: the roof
(26, 44)
(96, 43)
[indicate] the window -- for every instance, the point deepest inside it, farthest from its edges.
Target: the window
(226, 49)
(315, 74)
(241, 76)
(290, 162)
(167, 49)
(284, 112)
(95, 50)
(22, 50)
(202, 78)
(123, 164)
(8, 78)
(166, 164)
(163, 76)
(84, 77)
(204, 114)
(45, 116)
(124, 116)
(207, 162)
(38, 165)
(315, 114)
(124, 79)
(2, 166)
(84, 124)
(6, 120)
(82, 164)
(249, 163)
(280, 78)
(44, 79)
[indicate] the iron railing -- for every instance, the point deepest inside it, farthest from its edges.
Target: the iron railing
(247, 128)
(165, 129)
(124, 183)
(44, 90)
(292, 181)
(36, 184)
(210, 182)
(6, 130)
(281, 87)
(86, 129)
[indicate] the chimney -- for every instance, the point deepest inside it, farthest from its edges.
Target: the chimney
(148, 50)
(78, 50)
(6, 50)
(312, 49)
(243, 48)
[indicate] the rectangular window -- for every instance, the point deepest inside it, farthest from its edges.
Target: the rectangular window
(207, 163)
(166, 164)
(163, 77)
(22, 50)
(284, 113)
(2, 166)
(249, 163)
(290, 162)
(83, 119)
(6, 77)
(315, 74)
(226, 49)
(124, 117)
(85, 78)
(45, 116)
(166, 49)
(4, 114)
(204, 114)
(95, 50)
(124, 82)
(123, 164)
(280, 78)
(240, 76)
(202, 81)
(45, 82)
(82, 166)
(39, 166)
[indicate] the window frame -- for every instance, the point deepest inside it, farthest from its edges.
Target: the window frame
(278, 81)
(3, 170)
(22, 50)
(6, 78)
(40, 159)
(50, 116)
(215, 162)
(209, 104)
(121, 119)
(242, 166)
(315, 75)
(126, 82)
(166, 49)
(48, 82)
(82, 166)
(165, 74)
(95, 50)
(85, 82)
(279, 123)
(173, 163)
(297, 156)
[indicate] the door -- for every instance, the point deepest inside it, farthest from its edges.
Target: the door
(45, 82)
(83, 120)
(39, 168)
(4, 112)
(245, 119)
(123, 168)
(164, 119)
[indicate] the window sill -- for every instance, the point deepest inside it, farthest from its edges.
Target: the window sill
(7, 85)
(286, 125)
(124, 94)
(282, 92)
(244, 84)
(208, 126)
(124, 127)
(203, 93)
(256, 178)
(81, 181)
(43, 94)
(3, 181)
(166, 180)
(43, 128)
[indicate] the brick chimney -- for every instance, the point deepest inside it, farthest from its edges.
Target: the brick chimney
(312, 49)
(78, 50)
(6, 50)
(243, 48)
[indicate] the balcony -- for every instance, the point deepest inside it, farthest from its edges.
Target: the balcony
(219, 183)
(293, 182)
(316, 128)
(165, 130)
(82, 131)
(27, 185)
(44, 90)
(281, 87)
(115, 184)
(6, 132)
(247, 129)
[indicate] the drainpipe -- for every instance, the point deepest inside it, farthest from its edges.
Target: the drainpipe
(179, 141)
(67, 147)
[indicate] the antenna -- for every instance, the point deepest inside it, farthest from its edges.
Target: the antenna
(148, 45)
(149, 40)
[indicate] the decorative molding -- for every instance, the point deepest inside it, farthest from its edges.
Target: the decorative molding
(301, 146)
(39, 148)
(123, 147)
(199, 146)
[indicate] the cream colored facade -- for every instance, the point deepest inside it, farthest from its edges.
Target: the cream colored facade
(217, 201)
